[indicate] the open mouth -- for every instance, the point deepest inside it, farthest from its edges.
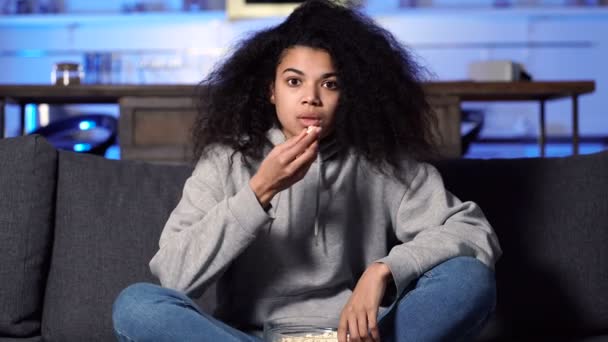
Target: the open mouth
(309, 121)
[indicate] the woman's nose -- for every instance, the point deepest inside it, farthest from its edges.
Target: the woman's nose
(311, 97)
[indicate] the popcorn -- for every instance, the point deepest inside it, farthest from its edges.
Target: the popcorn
(330, 336)
(309, 129)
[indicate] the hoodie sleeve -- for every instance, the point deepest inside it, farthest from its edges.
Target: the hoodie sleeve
(207, 230)
(434, 226)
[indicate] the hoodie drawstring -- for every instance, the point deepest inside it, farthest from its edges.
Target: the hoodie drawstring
(318, 202)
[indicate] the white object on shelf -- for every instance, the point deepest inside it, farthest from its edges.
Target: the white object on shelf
(498, 70)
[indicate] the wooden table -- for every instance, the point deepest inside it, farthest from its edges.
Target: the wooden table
(461, 91)
(520, 91)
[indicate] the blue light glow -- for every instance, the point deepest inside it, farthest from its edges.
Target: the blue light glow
(86, 125)
(81, 147)
(113, 152)
(30, 53)
(31, 117)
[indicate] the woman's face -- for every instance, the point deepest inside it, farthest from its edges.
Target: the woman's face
(305, 90)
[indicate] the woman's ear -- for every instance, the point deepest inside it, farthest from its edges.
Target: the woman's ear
(272, 100)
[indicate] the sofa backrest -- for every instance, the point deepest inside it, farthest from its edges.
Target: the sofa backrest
(109, 215)
(551, 218)
(27, 191)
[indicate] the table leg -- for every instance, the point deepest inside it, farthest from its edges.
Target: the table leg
(446, 134)
(575, 136)
(22, 118)
(543, 134)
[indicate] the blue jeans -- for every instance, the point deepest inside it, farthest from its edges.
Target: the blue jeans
(450, 302)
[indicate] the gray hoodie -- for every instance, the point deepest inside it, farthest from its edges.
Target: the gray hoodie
(272, 265)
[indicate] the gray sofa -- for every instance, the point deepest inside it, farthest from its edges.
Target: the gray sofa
(76, 229)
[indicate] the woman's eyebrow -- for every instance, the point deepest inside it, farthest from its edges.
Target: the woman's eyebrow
(326, 75)
(294, 70)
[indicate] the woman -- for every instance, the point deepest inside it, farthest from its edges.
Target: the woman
(310, 197)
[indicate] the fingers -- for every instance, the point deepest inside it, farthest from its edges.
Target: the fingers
(363, 327)
(342, 329)
(373, 325)
(304, 160)
(289, 143)
(353, 329)
(295, 146)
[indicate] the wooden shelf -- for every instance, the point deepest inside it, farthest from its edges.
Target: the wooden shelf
(464, 90)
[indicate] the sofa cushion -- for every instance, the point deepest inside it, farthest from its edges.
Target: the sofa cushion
(109, 218)
(551, 217)
(27, 184)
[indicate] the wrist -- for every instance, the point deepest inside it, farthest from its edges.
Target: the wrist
(262, 192)
(384, 272)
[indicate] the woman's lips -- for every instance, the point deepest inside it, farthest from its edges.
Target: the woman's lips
(309, 121)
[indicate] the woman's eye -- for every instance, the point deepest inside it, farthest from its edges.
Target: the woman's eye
(330, 84)
(293, 82)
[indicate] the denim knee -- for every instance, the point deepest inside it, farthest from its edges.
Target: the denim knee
(474, 281)
(131, 303)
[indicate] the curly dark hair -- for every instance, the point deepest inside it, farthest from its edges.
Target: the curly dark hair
(382, 111)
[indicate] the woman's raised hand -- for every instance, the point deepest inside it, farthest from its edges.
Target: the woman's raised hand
(285, 165)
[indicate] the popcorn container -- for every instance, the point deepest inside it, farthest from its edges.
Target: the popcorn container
(300, 329)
